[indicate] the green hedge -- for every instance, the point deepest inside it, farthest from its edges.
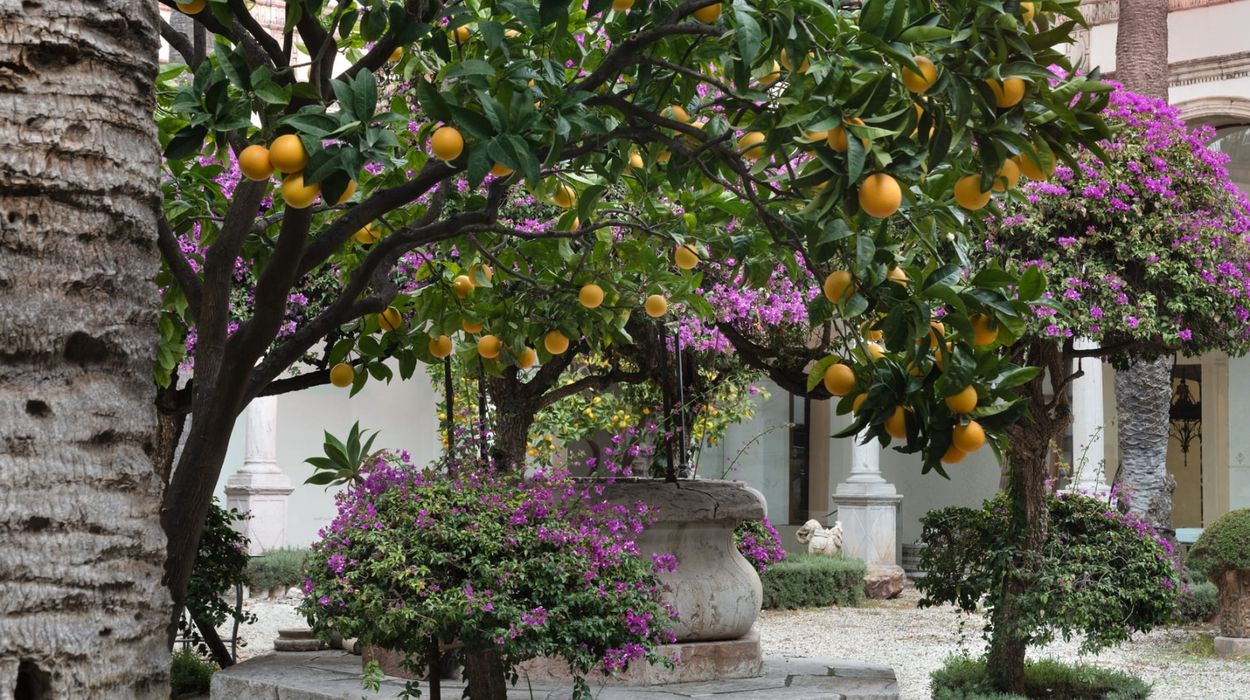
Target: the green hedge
(189, 675)
(810, 581)
(277, 568)
(1223, 545)
(1199, 604)
(962, 678)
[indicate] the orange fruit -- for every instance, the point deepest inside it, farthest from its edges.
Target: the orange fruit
(556, 342)
(254, 163)
(663, 156)
(440, 347)
(676, 113)
(590, 296)
(656, 306)
(897, 276)
(685, 257)
(192, 8)
(528, 357)
(968, 193)
(838, 286)
(447, 143)
(880, 195)
(1008, 93)
(622, 5)
(500, 170)
(953, 455)
(922, 81)
(635, 160)
(984, 332)
(488, 347)
(896, 424)
(1008, 177)
(769, 78)
(839, 379)
(487, 271)
(937, 330)
(397, 54)
(462, 33)
(785, 61)
(751, 145)
(564, 197)
(287, 154)
(296, 194)
(342, 375)
(367, 235)
(963, 402)
(871, 333)
(859, 401)
(471, 326)
(390, 319)
(348, 191)
(1030, 169)
(875, 351)
(1027, 10)
(708, 14)
(970, 437)
(462, 286)
(837, 136)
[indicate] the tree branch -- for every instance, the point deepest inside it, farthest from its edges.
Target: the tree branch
(180, 43)
(624, 53)
(186, 277)
(267, 42)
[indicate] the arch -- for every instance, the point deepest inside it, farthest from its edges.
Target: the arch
(1216, 111)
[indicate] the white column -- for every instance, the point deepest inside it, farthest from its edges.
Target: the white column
(260, 487)
(868, 510)
(1088, 446)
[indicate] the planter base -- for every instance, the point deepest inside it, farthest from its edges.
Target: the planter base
(696, 662)
(1232, 646)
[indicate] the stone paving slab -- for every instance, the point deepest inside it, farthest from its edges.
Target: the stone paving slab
(335, 675)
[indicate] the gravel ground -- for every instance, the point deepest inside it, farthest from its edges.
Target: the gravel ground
(914, 642)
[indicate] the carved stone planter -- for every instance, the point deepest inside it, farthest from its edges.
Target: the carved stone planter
(1234, 637)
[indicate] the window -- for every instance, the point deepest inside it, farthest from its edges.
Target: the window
(1235, 141)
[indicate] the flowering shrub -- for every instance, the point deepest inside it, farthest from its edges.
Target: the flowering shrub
(220, 565)
(1145, 249)
(1101, 573)
(1223, 546)
(527, 566)
(759, 543)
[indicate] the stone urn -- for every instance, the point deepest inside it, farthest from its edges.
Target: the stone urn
(1234, 637)
(716, 591)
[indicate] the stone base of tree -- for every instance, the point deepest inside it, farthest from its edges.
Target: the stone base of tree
(1232, 646)
(696, 661)
(1234, 588)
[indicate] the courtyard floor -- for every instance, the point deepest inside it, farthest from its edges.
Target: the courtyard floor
(1179, 661)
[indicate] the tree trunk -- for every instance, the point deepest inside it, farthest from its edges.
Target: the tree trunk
(485, 673)
(1141, 47)
(1030, 440)
(81, 606)
(1143, 396)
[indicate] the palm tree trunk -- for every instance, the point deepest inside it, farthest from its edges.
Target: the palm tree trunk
(1144, 391)
(1142, 396)
(81, 606)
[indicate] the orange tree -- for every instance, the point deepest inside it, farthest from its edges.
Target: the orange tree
(909, 111)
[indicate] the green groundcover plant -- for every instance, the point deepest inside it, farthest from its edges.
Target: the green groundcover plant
(522, 565)
(962, 678)
(813, 581)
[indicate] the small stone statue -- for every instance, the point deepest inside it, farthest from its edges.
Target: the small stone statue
(821, 540)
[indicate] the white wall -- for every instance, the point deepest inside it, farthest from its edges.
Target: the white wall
(404, 413)
(1196, 33)
(1238, 433)
(765, 464)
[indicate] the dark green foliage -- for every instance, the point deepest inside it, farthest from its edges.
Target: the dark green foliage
(1199, 603)
(810, 581)
(220, 565)
(189, 674)
(962, 678)
(1223, 546)
(1101, 574)
(277, 568)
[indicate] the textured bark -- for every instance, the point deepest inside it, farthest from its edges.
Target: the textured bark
(1143, 395)
(484, 673)
(1141, 47)
(81, 605)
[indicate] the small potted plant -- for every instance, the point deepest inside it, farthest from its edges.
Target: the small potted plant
(1222, 553)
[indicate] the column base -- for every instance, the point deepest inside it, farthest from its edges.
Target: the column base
(869, 516)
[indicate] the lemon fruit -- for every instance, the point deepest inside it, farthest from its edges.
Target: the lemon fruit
(676, 113)
(839, 379)
(254, 163)
(462, 286)
(342, 375)
(564, 197)
(635, 160)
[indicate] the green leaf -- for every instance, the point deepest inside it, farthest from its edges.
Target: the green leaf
(748, 33)
(471, 66)
(817, 373)
(1017, 377)
(1032, 284)
(186, 143)
(432, 103)
(923, 33)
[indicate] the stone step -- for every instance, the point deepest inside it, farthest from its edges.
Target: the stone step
(296, 633)
(297, 645)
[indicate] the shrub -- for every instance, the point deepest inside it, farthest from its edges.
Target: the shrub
(220, 565)
(523, 566)
(813, 581)
(189, 674)
(1197, 603)
(1223, 546)
(1101, 573)
(962, 678)
(277, 568)
(759, 543)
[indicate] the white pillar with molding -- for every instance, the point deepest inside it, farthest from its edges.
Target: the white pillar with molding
(1088, 433)
(260, 488)
(868, 510)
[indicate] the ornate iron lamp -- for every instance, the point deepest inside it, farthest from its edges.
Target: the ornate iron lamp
(1185, 415)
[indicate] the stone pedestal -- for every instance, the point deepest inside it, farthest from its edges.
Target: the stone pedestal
(696, 661)
(868, 510)
(260, 487)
